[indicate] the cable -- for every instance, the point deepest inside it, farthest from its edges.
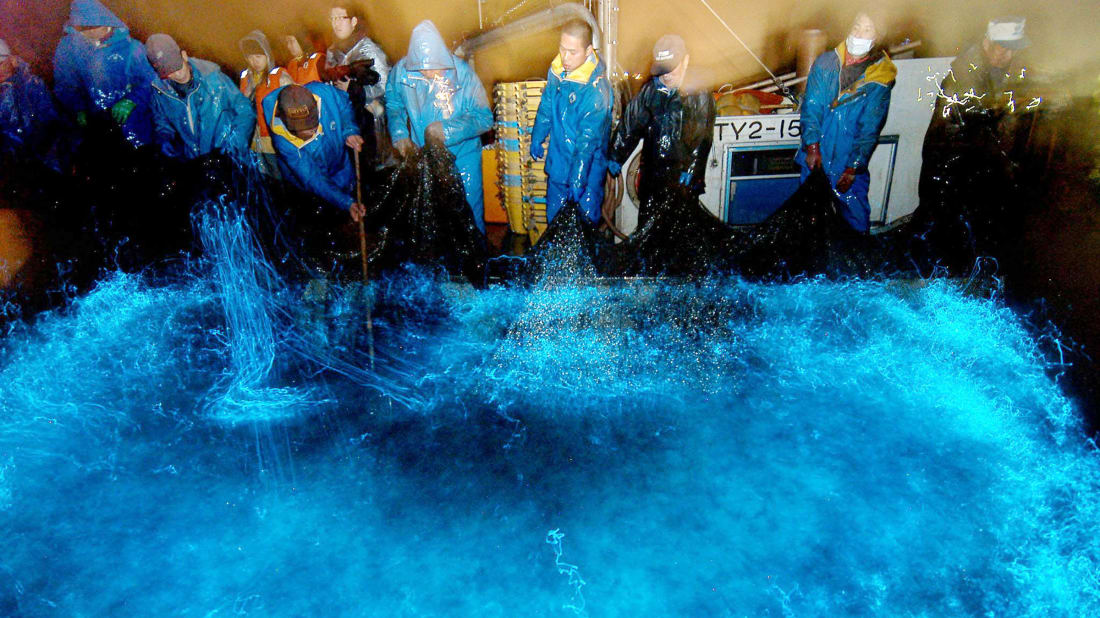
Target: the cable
(778, 82)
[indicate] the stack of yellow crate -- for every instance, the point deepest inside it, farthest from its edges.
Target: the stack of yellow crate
(522, 181)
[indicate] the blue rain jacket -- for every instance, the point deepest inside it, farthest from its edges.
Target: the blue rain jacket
(575, 112)
(28, 118)
(321, 165)
(214, 115)
(846, 125)
(458, 102)
(92, 78)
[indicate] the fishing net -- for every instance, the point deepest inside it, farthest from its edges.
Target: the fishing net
(420, 215)
(680, 238)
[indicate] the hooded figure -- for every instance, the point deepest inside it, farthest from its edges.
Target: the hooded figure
(196, 108)
(432, 89)
(110, 74)
(847, 98)
(575, 113)
(28, 118)
(260, 79)
(319, 163)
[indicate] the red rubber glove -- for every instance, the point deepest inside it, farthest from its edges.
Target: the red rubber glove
(846, 180)
(813, 156)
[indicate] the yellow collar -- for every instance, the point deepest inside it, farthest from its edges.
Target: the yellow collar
(581, 74)
(278, 128)
(883, 71)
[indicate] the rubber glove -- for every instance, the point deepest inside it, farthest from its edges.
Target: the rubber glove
(363, 71)
(537, 151)
(121, 111)
(846, 180)
(434, 134)
(614, 168)
(685, 179)
(813, 156)
(82, 119)
(404, 147)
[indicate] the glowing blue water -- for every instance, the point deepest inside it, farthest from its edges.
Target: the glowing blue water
(217, 446)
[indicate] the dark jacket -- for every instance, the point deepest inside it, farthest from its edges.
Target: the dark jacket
(28, 118)
(676, 129)
(213, 115)
(975, 100)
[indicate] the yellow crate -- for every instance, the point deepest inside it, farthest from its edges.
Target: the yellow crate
(534, 189)
(516, 223)
(504, 132)
(510, 157)
(536, 220)
(530, 88)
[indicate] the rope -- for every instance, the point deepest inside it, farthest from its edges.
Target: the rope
(508, 13)
(778, 82)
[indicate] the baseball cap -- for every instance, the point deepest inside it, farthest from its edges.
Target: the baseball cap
(1008, 32)
(298, 108)
(668, 53)
(164, 54)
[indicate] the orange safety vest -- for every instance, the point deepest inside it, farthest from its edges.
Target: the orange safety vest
(306, 71)
(272, 81)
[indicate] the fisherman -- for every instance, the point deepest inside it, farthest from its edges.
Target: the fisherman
(28, 117)
(984, 94)
(433, 96)
(357, 65)
(196, 108)
(312, 127)
(258, 80)
(575, 113)
(674, 122)
(847, 98)
(98, 68)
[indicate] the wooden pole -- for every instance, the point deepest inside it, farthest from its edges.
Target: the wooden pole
(363, 251)
(362, 228)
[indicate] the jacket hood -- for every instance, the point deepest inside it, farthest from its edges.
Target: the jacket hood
(261, 39)
(92, 13)
(427, 49)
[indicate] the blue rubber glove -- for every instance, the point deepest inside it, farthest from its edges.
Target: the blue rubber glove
(537, 151)
(576, 193)
(685, 179)
(614, 168)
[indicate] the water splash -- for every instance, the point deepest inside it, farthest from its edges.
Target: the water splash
(723, 447)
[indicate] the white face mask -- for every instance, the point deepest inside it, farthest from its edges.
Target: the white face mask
(859, 47)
